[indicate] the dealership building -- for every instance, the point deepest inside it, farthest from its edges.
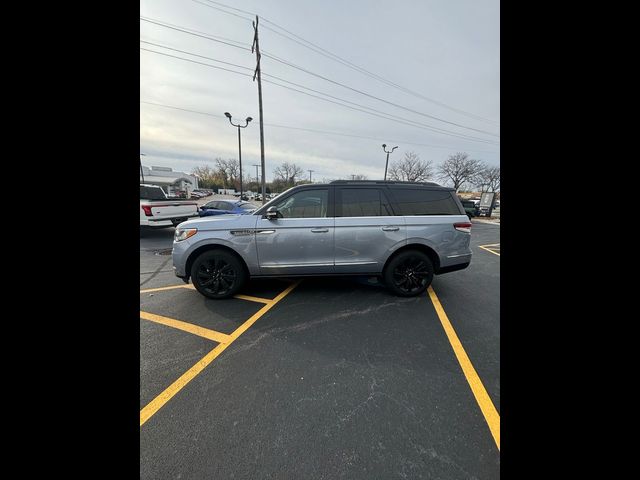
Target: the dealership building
(169, 180)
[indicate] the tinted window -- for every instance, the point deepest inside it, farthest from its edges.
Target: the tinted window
(224, 206)
(363, 202)
(425, 202)
(248, 206)
(150, 193)
(210, 205)
(305, 204)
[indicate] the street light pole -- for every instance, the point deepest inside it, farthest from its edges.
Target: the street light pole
(228, 115)
(384, 148)
(310, 172)
(141, 170)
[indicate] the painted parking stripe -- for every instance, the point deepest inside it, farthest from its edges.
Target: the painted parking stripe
(191, 287)
(160, 289)
(487, 407)
(488, 248)
(253, 299)
(187, 327)
(157, 403)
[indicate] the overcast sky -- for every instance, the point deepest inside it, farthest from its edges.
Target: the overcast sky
(446, 50)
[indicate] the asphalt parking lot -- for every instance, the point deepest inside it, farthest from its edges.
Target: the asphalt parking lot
(321, 378)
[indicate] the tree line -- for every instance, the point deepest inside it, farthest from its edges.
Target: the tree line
(458, 170)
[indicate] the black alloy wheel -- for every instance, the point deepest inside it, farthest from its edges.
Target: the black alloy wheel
(409, 274)
(217, 274)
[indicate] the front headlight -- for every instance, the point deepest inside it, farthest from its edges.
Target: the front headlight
(184, 233)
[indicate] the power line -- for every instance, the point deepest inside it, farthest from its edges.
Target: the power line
(430, 127)
(389, 117)
(213, 38)
(278, 59)
(383, 115)
(193, 61)
(196, 55)
(229, 13)
(312, 130)
(375, 97)
(326, 53)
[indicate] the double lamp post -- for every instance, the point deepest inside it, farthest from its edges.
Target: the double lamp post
(248, 119)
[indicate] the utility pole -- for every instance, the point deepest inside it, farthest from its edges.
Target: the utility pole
(141, 170)
(257, 177)
(256, 47)
(310, 172)
(384, 147)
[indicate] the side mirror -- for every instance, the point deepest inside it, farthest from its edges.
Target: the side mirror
(272, 213)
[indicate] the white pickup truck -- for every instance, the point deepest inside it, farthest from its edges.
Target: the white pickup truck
(158, 211)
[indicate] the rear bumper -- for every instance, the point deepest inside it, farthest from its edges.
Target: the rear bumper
(453, 268)
(166, 222)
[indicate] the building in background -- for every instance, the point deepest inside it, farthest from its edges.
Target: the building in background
(173, 183)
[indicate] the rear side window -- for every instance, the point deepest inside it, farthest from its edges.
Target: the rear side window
(362, 202)
(150, 193)
(425, 202)
(224, 206)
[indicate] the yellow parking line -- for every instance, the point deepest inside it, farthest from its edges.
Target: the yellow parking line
(187, 327)
(160, 289)
(253, 299)
(157, 403)
(487, 407)
(491, 251)
(245, 326)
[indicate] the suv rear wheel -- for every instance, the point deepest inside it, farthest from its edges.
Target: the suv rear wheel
(409, 273)
(217, 274)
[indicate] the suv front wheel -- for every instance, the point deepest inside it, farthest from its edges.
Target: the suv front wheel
(217, 274)
(409, 273)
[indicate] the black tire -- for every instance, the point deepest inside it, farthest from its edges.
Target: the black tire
(218, 274)
(409, 273)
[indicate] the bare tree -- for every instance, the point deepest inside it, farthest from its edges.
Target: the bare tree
(228, 171)
(359, 177)
(411, 169)
(287, 173)
(489, 179)
(207, 176)
(459, 169)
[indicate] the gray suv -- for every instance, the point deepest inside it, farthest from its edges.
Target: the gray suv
(403, 232)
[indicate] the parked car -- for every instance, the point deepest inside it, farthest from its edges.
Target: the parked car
(159, 211)
(471, 208)
(402, 232)
(225, 207)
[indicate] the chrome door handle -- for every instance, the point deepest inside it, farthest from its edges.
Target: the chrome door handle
(319, 230)
(390, 229)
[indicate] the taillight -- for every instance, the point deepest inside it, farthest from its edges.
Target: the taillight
(463, 227)
(147, 210)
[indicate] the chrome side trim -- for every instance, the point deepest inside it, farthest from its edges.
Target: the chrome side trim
(461, 255)
(356, 263)
(299, 265)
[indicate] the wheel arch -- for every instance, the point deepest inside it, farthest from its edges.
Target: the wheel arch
(421, 247)
(214, 246)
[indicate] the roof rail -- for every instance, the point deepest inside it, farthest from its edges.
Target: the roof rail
(381, 182)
